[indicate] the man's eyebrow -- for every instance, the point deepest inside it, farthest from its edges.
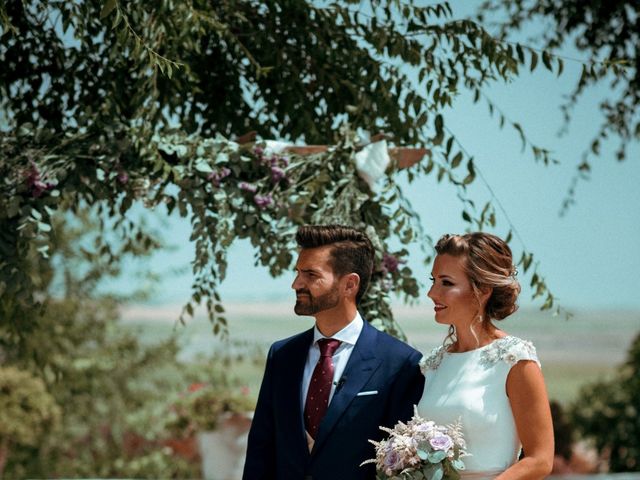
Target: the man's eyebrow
(306, 270)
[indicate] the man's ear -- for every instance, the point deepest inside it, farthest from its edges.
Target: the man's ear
(352, 284)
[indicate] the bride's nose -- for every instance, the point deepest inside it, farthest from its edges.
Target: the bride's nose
(430, 293)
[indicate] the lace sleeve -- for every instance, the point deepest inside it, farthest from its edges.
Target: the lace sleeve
(520, 350)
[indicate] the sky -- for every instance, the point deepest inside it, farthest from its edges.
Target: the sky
(590, 257)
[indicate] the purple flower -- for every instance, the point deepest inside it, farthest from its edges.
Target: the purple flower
(277, 174)
(441, 442)
(123, 177)
(390, 262)
(217, 177)
(263, 201)
(247, 187)
(259, 151)
(392, 460)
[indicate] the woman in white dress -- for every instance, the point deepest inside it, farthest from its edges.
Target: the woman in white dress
(488, 379)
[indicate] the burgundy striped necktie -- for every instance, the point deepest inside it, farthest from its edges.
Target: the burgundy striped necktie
(320, 386)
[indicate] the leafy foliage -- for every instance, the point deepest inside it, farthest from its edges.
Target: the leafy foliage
(93, 92)
(607, 413)
(91, 374)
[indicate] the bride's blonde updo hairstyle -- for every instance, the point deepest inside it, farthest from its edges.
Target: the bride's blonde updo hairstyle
(488, 263)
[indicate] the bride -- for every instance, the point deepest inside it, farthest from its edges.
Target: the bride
(490, 380)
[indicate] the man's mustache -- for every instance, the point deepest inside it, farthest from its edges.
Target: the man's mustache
(303, 292)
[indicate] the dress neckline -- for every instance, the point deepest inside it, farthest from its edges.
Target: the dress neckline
(479, 349)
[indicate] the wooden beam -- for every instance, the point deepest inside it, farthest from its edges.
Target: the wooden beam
(404, 156)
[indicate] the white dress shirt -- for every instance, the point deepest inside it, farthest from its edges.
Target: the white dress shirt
(348, 336)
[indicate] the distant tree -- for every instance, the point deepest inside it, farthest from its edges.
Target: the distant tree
(72, 364)
(607, 33)
(608, 414)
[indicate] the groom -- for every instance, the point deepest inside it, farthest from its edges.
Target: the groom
(326, 391)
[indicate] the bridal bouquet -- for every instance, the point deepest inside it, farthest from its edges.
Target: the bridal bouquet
(420, 450)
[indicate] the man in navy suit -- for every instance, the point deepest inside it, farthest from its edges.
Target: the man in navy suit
(326, 391)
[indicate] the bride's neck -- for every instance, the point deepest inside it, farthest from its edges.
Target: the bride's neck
(469, 340)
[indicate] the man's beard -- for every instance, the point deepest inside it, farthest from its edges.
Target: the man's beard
(310, 305)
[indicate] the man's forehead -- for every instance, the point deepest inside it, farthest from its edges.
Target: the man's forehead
(314, 259)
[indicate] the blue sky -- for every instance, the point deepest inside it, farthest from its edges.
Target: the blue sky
(590, 257)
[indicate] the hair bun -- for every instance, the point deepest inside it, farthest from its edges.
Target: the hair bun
(502, 302)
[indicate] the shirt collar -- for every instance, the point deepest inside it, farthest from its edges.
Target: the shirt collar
(348, 334)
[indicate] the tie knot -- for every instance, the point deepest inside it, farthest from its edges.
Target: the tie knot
(328, 346)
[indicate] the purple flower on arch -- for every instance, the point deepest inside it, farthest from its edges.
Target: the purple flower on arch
(277, 174)
(247, 187)
(123, 177)
(390, 262)
(263, 201)
(217, 177)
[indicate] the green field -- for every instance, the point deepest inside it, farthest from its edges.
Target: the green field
(573, 352)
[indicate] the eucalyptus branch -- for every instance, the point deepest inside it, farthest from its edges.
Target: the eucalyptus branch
(156, 59)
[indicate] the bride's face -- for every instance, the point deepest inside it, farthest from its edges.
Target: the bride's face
(452, 293)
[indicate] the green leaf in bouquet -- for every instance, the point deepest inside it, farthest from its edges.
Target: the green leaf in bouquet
(422, 454)
(458, 464)
(436, 473)
(436, 456)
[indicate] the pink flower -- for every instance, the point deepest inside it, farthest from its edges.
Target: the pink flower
(35, 184)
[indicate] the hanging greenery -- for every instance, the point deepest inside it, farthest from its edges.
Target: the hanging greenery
(109, 103)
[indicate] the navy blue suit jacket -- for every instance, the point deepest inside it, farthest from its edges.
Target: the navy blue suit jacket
(277, 446)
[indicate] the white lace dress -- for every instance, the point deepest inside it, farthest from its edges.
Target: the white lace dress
(471, 386)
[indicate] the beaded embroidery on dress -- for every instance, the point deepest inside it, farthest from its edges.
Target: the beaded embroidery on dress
(432, 361)
(510, 350)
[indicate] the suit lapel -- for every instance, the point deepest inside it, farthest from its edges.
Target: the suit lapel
(290, 406)
(361, 365)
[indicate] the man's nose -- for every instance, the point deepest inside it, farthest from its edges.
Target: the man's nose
(296, 283)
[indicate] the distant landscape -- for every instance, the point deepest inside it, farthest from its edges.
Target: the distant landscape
(587, 347)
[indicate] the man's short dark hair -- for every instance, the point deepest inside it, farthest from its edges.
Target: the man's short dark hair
(351, 252)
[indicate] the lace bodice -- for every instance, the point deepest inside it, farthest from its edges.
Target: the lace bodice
(471, 386)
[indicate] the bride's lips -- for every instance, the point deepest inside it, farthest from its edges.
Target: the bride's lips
(438, 307)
